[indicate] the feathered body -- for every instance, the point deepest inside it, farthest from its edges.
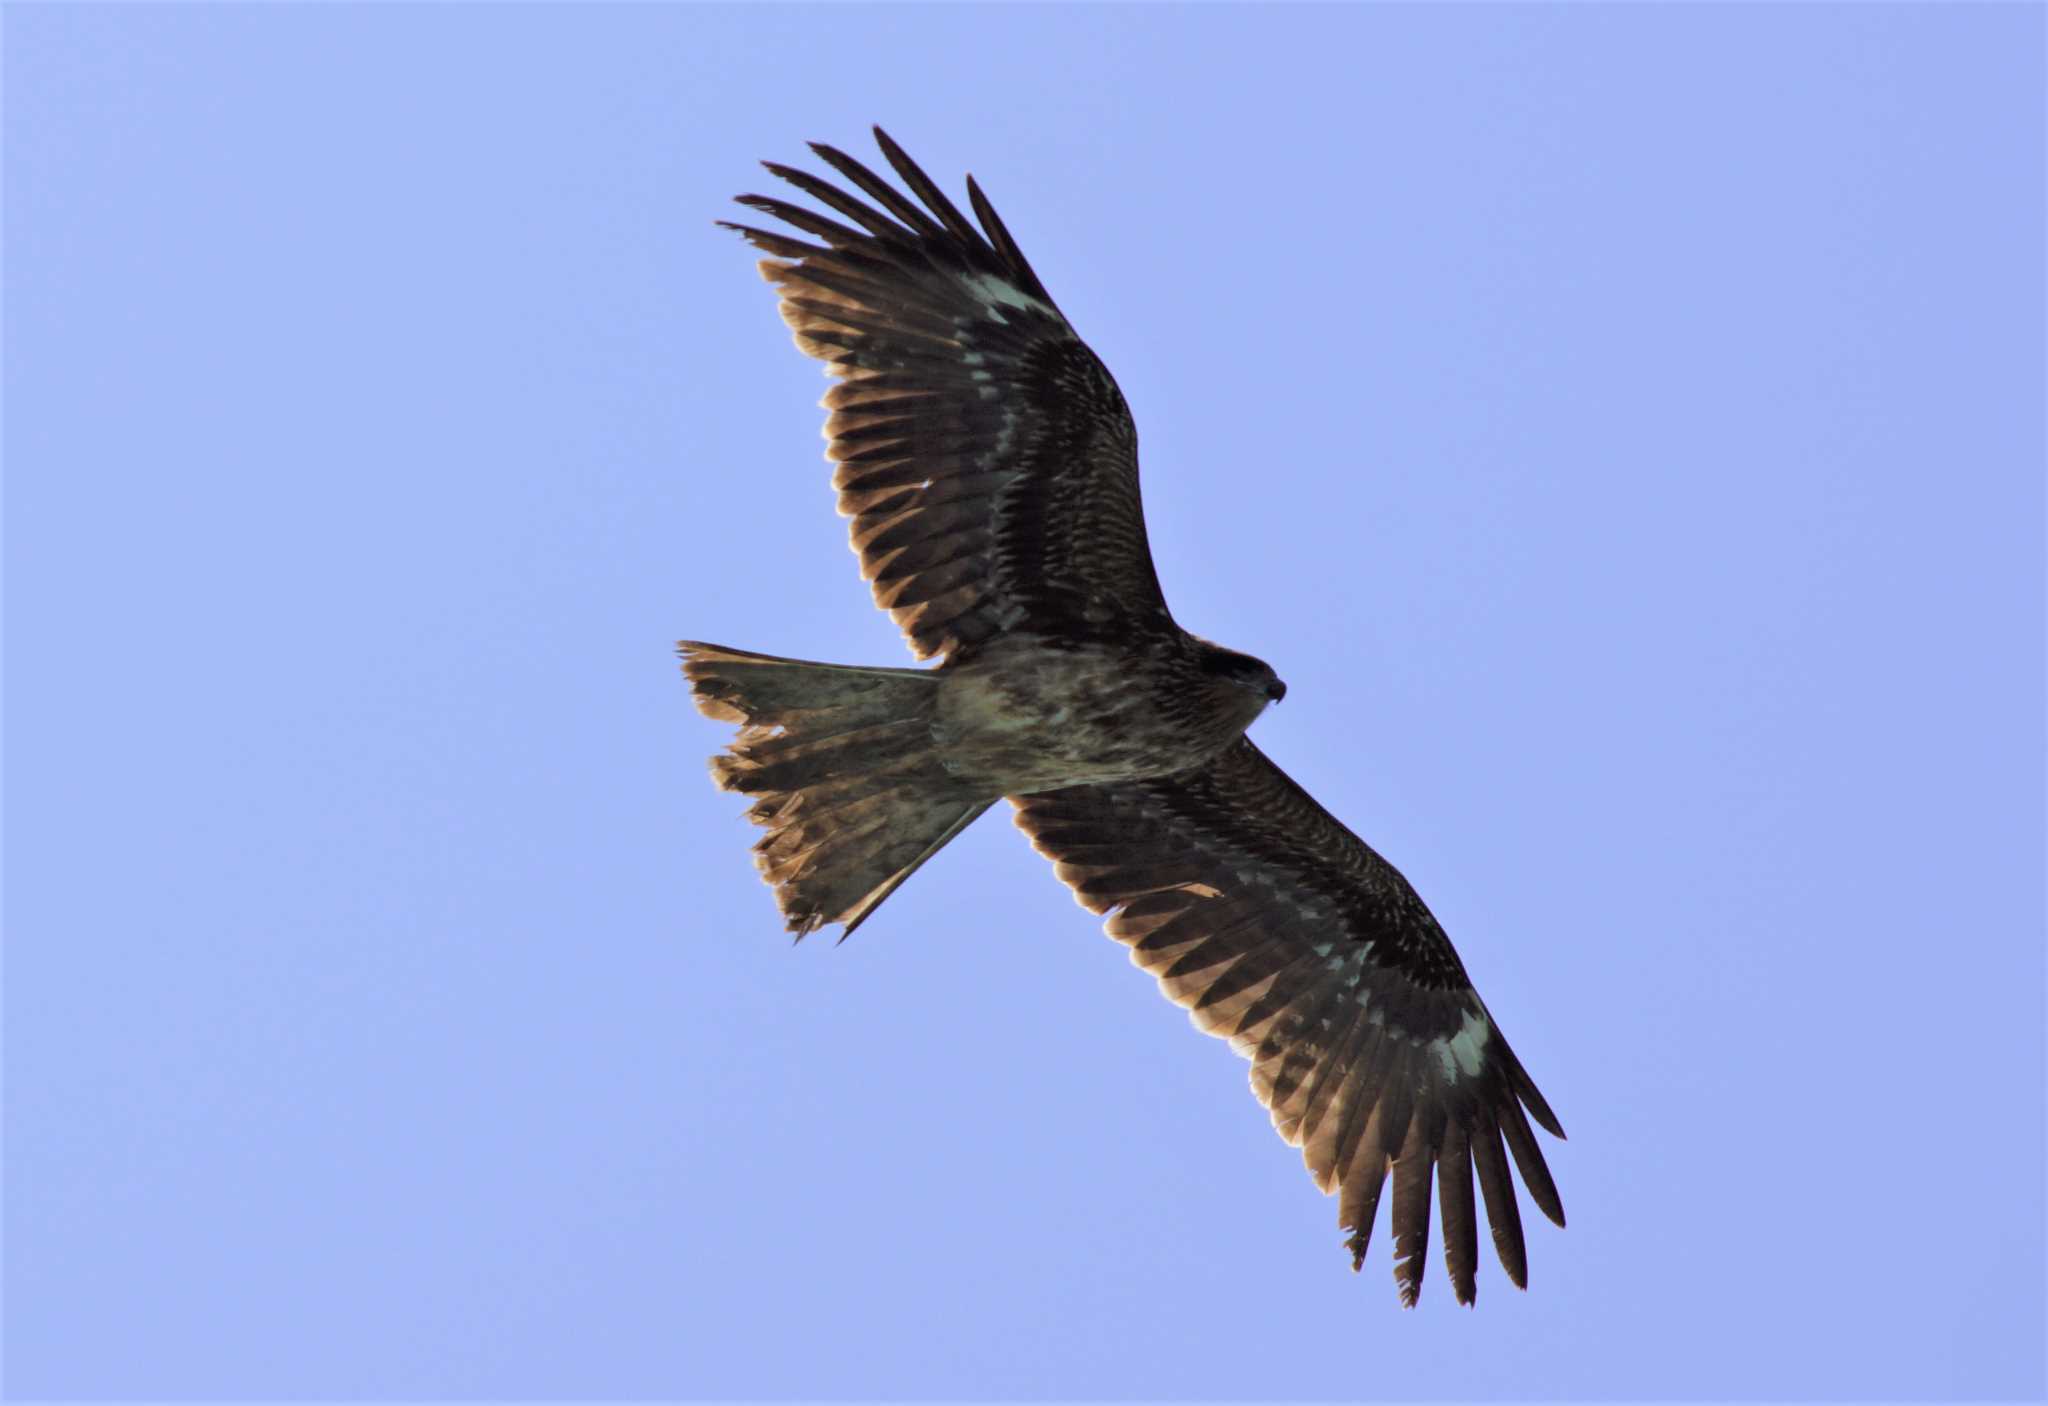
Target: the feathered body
(989, 466)
(1026, 714)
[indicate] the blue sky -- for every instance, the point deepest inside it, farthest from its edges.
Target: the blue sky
(1622, 427)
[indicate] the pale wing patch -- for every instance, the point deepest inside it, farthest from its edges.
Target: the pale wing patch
(1460, 1055)
(996, 294)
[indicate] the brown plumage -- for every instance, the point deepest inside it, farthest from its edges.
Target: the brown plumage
(989, 466)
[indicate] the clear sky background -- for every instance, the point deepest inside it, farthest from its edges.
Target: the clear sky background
(1622, 427)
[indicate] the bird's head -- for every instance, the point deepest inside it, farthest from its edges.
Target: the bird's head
(1243, 686)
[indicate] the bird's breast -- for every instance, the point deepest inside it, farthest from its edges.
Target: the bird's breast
(1036, 718)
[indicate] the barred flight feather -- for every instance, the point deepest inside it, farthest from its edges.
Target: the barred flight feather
(1360, 1062)
(969, 388)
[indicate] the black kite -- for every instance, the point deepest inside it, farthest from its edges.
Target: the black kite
(990, 468)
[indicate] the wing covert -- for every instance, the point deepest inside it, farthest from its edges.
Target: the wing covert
(985, 456)
(1286, 934)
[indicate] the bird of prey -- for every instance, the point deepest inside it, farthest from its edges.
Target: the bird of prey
(990, 468)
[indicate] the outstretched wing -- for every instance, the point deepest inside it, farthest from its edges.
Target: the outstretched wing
(985, 455)
(1284, 933)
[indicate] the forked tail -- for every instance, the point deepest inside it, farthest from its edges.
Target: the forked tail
(844, 775)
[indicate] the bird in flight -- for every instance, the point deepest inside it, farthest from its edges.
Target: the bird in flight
(990, 468)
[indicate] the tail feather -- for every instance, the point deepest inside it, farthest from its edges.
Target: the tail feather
(798, 759)
(847, 782)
